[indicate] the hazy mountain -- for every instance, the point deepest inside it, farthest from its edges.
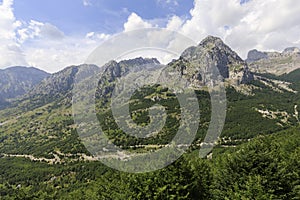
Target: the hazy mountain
(16, 81)
(274, 62)
(255, 55)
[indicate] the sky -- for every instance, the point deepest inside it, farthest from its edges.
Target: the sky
(53, 34)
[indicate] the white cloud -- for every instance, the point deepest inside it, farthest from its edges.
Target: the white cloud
(39, 30)
(40, 44)
(10, 51)
(54, 55)
(175, 23)
(135, 22)
(96, 36)
(86, 2)
(266, 25)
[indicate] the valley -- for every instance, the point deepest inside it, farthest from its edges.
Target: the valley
(256, 156)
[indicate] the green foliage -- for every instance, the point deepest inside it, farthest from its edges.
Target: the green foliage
(264, 167)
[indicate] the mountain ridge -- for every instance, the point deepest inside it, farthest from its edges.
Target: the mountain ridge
(18, 80)
(277, 63)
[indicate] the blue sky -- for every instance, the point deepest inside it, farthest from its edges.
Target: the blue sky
(53, 34)
(107, 16)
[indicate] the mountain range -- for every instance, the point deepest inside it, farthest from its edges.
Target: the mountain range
(46, 95)
(18, 81)
(274, 62)
(42, 155)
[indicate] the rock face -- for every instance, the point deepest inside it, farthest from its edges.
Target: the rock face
(58, 84)
(114, 70)
(255, 55)
(16, 81)
(291, 50)
(195, 63)
(274, 62)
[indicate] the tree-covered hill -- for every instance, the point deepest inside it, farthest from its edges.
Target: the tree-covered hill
(256, 157)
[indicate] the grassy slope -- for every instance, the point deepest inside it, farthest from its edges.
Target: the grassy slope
(48, 128)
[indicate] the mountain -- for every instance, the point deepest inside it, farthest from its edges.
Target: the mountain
(114, 70)
(16, 81)
(256, 157)
(44, 114)
(212, 51)
(255, 55)
(274, 62)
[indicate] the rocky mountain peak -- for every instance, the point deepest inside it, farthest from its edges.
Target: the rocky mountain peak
(274, 62)
(291, 50)
(255, 55)
(16, 81)
(114, 70)
(212, 50)
(212, 41)
(59, 83)
(139, 61)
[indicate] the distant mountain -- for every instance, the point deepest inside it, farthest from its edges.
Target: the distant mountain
(16, 81)
(274, 62)
(54, 88)
(61, 83)
(255, 55)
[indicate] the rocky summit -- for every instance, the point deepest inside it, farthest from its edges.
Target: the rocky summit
(197, 62)
(277, 63)
(16, 81)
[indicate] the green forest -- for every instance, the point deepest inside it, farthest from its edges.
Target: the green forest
(257, 157)
(268, 167)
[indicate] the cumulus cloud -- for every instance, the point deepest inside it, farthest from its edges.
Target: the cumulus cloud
(95, 36)
(270, 25)
(175, 23)
(54, 55)
(40, 44)
(135, 22)
(39, 30)
(46, 47)
(57, 55)
(10, 50)
(267, 25)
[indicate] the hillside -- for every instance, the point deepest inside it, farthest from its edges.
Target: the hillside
(16, 81)
(256, 157)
